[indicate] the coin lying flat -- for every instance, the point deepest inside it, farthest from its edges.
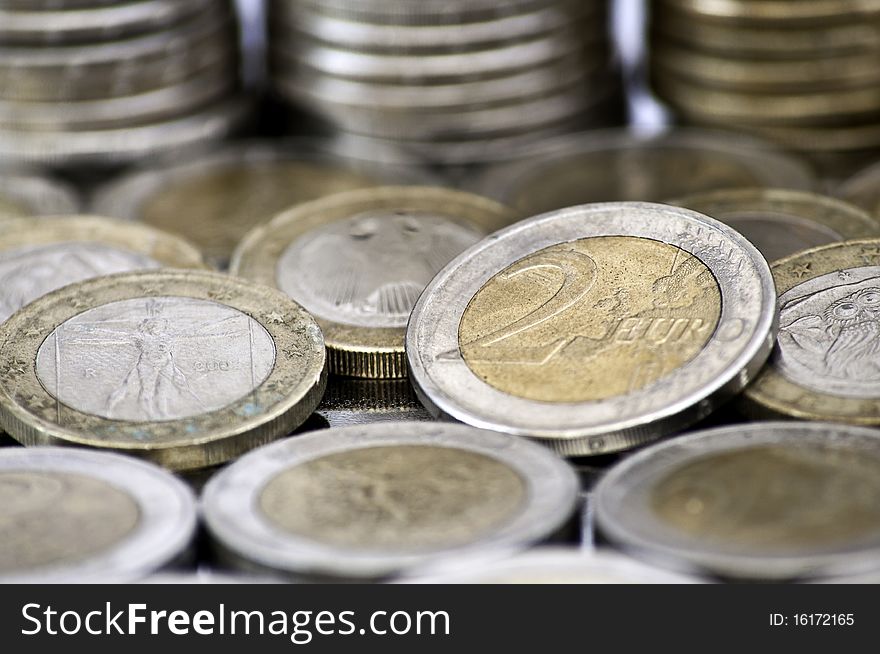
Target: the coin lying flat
(230, 191)
(359, 260)
(780, 222)
(68, 515)
(24, 194)
(371, 501)
(863, 189)
(612, 165)
(553, 566)
(761, 501)
(39, 255)
(593, 329)
(187, 368)
(824, 366)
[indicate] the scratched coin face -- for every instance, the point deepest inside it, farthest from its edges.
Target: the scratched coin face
(765, 500)
(826, 364)
(594, 328)
(186, 368)
(368, 501)
(359, 261)
(73, 515)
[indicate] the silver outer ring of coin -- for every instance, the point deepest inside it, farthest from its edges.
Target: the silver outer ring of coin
(115, 146)
(125, 197)
(626, 520)
(731, 358)
(546, 564)
(166, 510)
(769, 163)
(38, 195)
(229, 500)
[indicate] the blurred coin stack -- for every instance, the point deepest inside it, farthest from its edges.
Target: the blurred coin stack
(804, 74)
(105, 82)
(446, 80)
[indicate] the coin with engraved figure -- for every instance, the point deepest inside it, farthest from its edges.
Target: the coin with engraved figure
(826, 364)
(74, 516)
(595, 328)
(371, 501)
(359, 261)
(760, 501)
(39, 255)
(186, 368)
(781, 222)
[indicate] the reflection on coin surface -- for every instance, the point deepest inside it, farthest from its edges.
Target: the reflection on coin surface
(764, 500)
(593, 328)
(549, 565)
(368, 501)
(186, 368)
(70, 515)
(781, 222)
(615, 165)
(226, 194)
(39, 255)
(825, 366)
(358, 262)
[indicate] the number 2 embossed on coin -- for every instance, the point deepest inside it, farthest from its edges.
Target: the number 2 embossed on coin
(189, 369)
(594, 328)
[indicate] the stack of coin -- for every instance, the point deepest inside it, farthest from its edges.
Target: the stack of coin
(108, 81)
(801, 73)
(445, 77)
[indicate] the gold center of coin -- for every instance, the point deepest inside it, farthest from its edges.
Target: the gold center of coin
(52, 518)
(405, 497)
(774, 498)
(590, 320)
(216, 210)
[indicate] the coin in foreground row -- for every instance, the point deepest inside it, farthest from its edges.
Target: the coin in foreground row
(359, 260)
(614, 165)
(372, 501)
(69, 515)
(759, 501)
(229, 192)
(39, 255)
(594, 328)
(825, 366)
(23, 194)
(186, 368)
(780, 222)
(553, 566)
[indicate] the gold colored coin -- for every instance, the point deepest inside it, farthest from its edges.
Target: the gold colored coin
(384, 498)
(637, 310)
(825, 365)
(358, 261)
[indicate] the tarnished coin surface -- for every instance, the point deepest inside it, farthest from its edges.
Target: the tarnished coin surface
(23, 194)
(781, 222)
(227, 193)
(372, 501)
(594, 329)
(359, 260)
(825, 365)
(612, 165)
(761, 501)
(39, 255)
(553, 566)
(73, 516)
(186, 368)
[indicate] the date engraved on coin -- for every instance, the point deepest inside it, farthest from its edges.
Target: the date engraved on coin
(400, 497)
(27, 273)
(162, 358)
(369, 270)
(829, 336)
(52, 518)
(590, 319)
